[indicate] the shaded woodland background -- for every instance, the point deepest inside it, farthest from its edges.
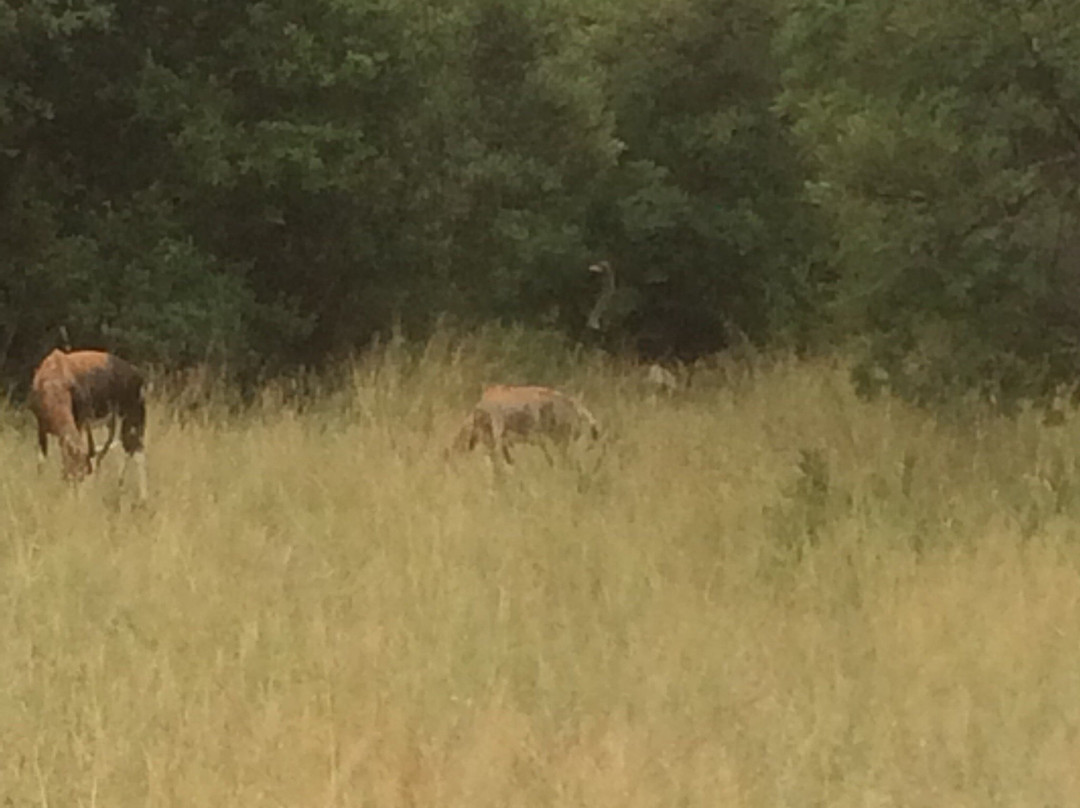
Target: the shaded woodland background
(262, 186)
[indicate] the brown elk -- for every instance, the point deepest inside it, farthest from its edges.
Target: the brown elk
(72, 392)
(509, 414)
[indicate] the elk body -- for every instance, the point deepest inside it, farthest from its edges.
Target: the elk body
(509, 414)
(660, 378)
(73, 392)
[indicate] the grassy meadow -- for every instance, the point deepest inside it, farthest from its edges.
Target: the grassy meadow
(760, 591)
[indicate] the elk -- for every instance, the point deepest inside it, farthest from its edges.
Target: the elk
(509, 414)
(662, 379)
(73, 392)
(607, 314)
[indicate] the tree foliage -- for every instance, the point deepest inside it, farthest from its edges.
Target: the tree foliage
(276, 183)
(946, 147)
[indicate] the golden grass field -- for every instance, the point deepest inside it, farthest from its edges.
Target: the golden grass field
(761, 591)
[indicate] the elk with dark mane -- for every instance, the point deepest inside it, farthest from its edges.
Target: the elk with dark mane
(73, 392)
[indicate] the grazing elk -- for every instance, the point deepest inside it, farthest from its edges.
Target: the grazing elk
(662, 379)
(507, 414)
(610, 314)
(72, 392)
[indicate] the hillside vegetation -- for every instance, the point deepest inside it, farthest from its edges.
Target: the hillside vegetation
(760, 591)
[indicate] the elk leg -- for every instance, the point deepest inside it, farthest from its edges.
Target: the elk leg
(140, 470)
(498, 439)
(90, 446)
(138, 457)
(108, 440)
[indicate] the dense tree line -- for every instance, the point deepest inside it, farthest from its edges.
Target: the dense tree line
(275, 183)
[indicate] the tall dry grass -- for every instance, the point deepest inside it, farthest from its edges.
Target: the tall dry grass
(763, 592)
